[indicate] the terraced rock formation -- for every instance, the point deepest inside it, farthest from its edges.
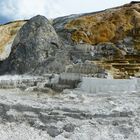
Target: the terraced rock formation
(109, 40)
(59, 96)
(113, 36)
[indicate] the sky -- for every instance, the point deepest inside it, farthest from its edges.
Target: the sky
(25, 9)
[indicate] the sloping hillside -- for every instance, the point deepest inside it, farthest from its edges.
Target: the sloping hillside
(112, 34)
(7, 35)
(96, 44)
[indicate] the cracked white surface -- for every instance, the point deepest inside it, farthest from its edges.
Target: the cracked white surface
(26, 115)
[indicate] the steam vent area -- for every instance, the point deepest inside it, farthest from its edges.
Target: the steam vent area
(75, 77)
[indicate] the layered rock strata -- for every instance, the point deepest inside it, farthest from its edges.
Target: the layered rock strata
(107, 39)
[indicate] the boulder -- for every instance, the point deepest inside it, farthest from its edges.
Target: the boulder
(33, 44)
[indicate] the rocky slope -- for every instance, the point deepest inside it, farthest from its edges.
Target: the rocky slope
(100, 43)
(8, 33)
(71, 105)
(113, 36)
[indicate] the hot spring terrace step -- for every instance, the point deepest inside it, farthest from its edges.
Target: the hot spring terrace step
(96, 85)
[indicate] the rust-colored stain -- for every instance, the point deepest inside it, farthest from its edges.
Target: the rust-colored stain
(107, 26)
(8, 33)
(111, 26)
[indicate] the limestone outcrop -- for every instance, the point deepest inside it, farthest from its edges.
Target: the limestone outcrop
(112, 37)
(109, 40)
(60, 82)
(7, 35)
(109, 25)
(33, 44)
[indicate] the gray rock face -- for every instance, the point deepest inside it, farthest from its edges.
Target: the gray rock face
(34, 43)
(59, 24)
(54, 64)
(69, 127)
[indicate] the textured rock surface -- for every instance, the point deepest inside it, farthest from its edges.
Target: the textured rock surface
(105, 44)
(7, 35)
(33, 44)
(113, 36)
(107, 40)
(71, 115)
(106, 26)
